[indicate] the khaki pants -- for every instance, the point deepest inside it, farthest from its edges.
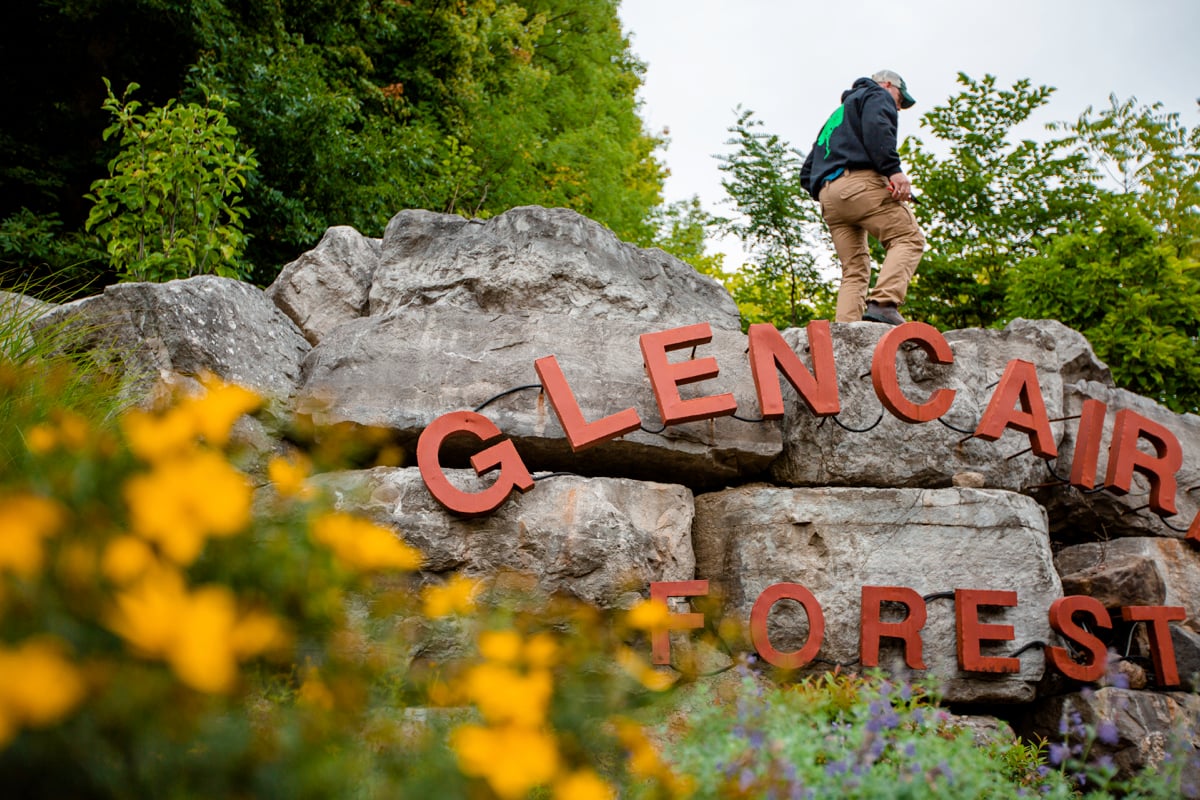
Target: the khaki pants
(856, 203)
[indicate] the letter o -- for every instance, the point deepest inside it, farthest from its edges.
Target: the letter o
(758, 625)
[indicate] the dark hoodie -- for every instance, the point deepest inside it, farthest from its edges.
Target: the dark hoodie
(860, 135)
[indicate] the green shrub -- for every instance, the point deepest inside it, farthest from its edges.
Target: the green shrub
(170, 205)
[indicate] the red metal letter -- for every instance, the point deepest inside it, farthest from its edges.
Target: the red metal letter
(1019, 383)
(660, 641)
(1062, 612)
(971, 631)
(769, 352)
(873, 628)
(580, 433)
(887, 382)
(1193, 533)
(1162, 649)
(1087, 444)
(665, 377)
(1124, 457)
(758, 625)
(513, 474)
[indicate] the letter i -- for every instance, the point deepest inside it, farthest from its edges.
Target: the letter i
(1087, 444)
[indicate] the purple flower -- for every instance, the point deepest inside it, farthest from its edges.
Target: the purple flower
(746, 779)
(835, 768)
(1107, 732)
(1058, 753)
(905, 692)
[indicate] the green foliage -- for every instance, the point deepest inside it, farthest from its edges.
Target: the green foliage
(778, 222)
(989, 203)
(31, 244)
(169, 207)
(845, 736)
(1150, 156)
(355, 109)
(683, 228)
(1130, 294)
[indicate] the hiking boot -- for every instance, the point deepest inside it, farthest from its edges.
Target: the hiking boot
(885, 313)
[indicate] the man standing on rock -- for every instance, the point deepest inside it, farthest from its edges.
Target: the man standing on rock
(853, 171)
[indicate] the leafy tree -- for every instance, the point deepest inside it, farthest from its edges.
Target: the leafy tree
(990, 202)
(683, 229)
(778, 222)
(355, 109)
(170, 205)
(1130, 293)
(1146, 153)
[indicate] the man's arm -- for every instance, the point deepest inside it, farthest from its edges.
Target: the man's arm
(879, 137)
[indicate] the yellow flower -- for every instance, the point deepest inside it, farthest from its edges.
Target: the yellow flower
(456, 596)
(502, 646)
(648, 676)
(541, 651)
(289, 477)
(184, 499)
(73, 430)
(362, 544)
(512, 759)
(644, 761)
(126, 558)
(216, 411)
(200, 634)
(152, 437)
(38, 686)
(504, 695)
(649, 615)
(41, 439)
(314, 693)
(25, 520)
(583, 785)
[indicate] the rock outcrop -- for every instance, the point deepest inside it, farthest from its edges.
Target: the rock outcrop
(447, 314)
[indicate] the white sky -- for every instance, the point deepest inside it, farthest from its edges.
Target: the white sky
(789, 61)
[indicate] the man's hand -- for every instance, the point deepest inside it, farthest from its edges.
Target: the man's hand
(900, 187)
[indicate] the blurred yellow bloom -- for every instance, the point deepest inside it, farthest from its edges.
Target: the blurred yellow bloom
(41, 439)
(200, 634)
(504, 695)
(74, 432)
(649, 615)
(583, 785)
(25, 520)
(455, 596)
(648, 676)
(643, 761)
(155, 436)
(126, 558)
(361, 544)
(38, 686)
(512, 759)
(216, 411)
(541, 651)
(184, 499)
(290, 477)
(503, 646)
(314, 693)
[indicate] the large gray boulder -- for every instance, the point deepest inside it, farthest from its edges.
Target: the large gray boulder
(835, 541)
(868, 446)
(17, 315)
(1078, 515)
(600, 540)
(164, 332)
(401, 371)
(329, 284)
(532, 260)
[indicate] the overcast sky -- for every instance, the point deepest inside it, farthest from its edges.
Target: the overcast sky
(790, 61)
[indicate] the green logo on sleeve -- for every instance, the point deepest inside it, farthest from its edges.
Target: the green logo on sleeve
(830, 125)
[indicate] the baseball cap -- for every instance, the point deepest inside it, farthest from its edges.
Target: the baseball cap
(906, 99)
